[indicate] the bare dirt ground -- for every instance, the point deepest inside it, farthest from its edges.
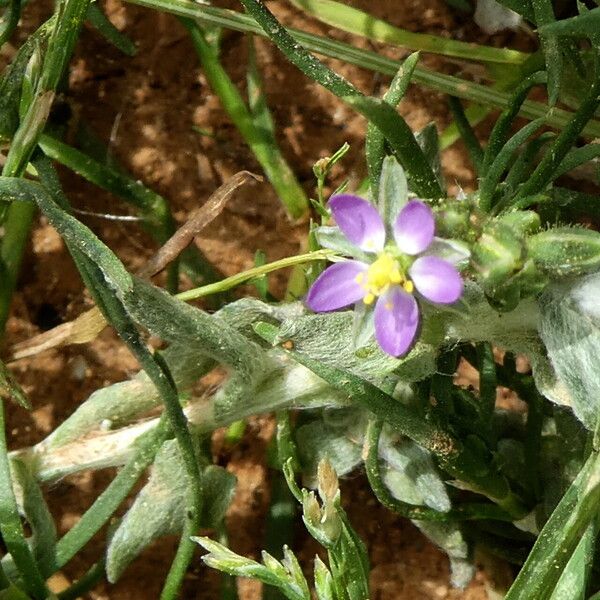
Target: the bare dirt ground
(146, 106)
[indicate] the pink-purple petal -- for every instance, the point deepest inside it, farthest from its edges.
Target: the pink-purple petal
(337, 286)
(396, 321)
(359, 221)
(414, 227)
(436, 279)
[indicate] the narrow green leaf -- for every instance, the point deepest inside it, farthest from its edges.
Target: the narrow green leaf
(379, 112)
(575, 158)
(573, 581)
(586, 24)
(37, 513)
(10, 20)
(560, 536)
(375, 140)
(501, 129)
(101, 22)
(466, 131)
(551, 47)
(563, 143)
(492, 178)
(11, 529)
(262, 143)
(353, 20)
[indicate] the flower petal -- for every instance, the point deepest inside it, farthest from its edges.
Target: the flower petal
(337, 287)
(414, 227)
(396, 321)
(359, 221)
(436, 279)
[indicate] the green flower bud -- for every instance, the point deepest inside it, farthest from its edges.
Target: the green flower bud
(454, 220)
(521, 222)
(564, 251)
(324, 524)
(497, 255)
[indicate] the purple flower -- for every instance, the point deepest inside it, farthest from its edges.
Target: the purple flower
(398, 272)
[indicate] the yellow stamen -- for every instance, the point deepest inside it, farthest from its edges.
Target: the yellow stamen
(385, 271)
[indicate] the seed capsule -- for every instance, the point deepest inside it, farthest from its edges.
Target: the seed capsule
(565, 251)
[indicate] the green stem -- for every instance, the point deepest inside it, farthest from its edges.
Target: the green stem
(267, 153)
(239, 278)
(183, 557)
(10, 524)
(19, 217)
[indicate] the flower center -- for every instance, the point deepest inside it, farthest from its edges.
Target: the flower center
(383, 273)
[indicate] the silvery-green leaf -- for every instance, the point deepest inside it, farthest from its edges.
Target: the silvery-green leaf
(218, 487)
(121, 402)
(328, 338)
(393, 192)
(492, 17)
(570, 331)
(409, 473)
(159, 509)
(448, 536)
(340, 443)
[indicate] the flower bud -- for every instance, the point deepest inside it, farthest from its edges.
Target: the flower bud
(327, 482)
(564, 251)
(324, 524)
(521, 222)
(453, 220)
(497, 255)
